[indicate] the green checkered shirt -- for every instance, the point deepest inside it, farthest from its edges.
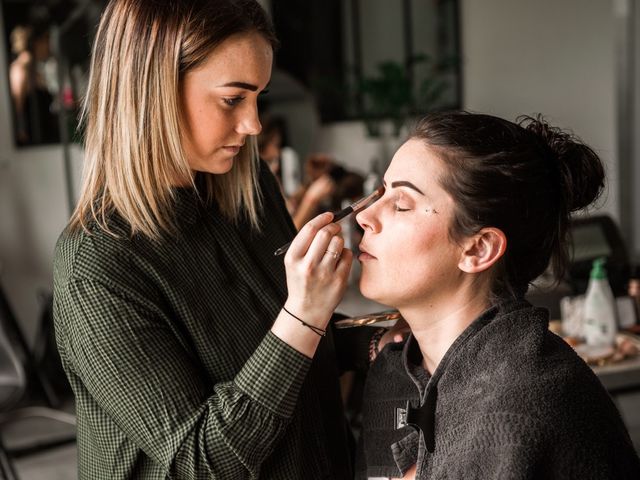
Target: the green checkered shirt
(168, 350)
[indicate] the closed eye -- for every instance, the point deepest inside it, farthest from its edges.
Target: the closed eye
(232, 101)
(400, 200)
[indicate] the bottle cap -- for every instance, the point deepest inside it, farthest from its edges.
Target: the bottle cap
(597, 270)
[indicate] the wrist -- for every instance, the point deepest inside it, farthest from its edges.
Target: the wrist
(296, 335)
(302, 310)
(317, 330)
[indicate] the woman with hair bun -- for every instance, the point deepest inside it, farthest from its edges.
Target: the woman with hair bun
(475, 208)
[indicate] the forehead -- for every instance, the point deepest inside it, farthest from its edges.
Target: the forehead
(244, 56)
(416, 162)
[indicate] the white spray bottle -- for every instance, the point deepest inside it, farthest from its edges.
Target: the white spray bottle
(600, 313)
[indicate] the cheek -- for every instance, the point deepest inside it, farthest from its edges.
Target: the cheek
(395, 254)
(409, 263)
(204, 124)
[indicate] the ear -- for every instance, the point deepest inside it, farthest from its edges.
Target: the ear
(482, 250)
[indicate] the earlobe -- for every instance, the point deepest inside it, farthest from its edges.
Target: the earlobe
(483, 250)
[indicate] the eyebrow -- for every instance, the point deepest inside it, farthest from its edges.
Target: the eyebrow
(243, 85)
(405, 183)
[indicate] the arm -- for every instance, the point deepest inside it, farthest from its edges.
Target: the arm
(19, 84)
(19, 81)
(139, 373)
(136, 367)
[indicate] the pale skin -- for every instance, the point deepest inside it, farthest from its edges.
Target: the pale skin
(410, 262)
(220, 110)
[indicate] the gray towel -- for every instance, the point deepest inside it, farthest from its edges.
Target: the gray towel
(513, 401)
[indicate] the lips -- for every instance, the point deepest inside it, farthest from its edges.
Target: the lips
(364, 255)
(235, 149)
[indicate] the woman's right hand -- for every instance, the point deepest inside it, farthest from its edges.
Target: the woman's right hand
(317, 269)
(317, 266)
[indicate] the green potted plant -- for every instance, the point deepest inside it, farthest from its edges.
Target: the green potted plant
(392, 95)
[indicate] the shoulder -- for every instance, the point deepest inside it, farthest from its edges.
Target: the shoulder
(517, 347)
(523, 367)
(81, 252)
(115, 258)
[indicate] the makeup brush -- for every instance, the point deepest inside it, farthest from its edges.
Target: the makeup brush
(355, 207)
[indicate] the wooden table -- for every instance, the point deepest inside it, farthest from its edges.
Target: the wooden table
(619, 378)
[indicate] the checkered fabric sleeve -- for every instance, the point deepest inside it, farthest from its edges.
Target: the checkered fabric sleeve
(124, 351)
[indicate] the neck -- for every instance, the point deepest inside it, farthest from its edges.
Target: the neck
(436, 326)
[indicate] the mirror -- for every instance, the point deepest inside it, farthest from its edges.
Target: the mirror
(372, 59)
(48, 49)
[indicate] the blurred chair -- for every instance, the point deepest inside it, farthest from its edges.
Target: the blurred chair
(12, 385)
(591, 237)
(20, 385)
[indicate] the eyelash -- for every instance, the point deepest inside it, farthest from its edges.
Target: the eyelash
(398, 209)
(396, 205)
(232, 102)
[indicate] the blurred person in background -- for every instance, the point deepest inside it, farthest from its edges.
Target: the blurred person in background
(33, 103)
(327, 186)
(283, 160)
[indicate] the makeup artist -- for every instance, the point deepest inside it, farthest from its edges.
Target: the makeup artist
(189, 354)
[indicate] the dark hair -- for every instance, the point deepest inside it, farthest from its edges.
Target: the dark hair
(524, 178)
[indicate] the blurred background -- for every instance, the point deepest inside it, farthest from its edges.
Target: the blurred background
(348, 80)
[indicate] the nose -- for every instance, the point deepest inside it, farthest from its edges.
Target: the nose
(248, 121)
(368, 218)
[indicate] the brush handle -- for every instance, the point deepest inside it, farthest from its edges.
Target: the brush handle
(282, 250)
(336, 218)
(342, 213)
(345, 212)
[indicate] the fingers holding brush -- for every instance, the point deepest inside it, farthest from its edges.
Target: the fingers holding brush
(300, 244)
(317, 267)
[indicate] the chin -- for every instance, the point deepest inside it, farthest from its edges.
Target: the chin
(219, 167)
(371, 290)
(226, 169)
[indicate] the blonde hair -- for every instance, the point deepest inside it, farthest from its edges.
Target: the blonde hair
(134, 156)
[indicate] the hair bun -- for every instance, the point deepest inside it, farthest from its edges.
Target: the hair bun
(581, 173)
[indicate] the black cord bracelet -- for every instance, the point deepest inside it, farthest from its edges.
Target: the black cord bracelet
(316, 330)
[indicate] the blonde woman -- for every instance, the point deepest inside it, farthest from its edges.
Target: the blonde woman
(189, 355)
